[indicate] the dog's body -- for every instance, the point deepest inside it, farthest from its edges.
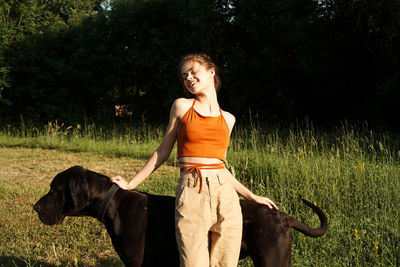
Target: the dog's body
(142, 229)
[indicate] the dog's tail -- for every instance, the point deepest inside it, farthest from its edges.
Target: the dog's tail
(307, 230)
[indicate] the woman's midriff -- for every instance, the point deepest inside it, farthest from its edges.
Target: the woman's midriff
(204, 172)
(200, 167)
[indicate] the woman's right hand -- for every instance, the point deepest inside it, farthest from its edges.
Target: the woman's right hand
(121, 182)
(178, 109)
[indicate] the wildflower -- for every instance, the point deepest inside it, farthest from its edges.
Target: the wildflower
(376, 245)
(356, 233)
(75, 261)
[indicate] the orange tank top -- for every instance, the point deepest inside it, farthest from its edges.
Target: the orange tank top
(202, 136)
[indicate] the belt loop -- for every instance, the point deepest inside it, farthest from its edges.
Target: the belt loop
(219, 181)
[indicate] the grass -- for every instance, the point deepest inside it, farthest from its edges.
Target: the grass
(351, 172)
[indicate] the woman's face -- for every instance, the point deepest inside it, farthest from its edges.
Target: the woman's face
(196, 78)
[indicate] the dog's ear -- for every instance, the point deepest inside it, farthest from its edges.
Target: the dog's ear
(78, 187)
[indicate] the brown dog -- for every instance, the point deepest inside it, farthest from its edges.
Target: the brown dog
(141, 225)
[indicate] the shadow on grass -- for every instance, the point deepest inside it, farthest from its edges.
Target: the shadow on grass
(14, 261)
(11, 261)
(143, 155)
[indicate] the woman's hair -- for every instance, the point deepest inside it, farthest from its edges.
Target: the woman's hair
(205, 61)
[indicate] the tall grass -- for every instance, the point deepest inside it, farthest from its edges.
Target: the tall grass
(116, 140)
(351, 172)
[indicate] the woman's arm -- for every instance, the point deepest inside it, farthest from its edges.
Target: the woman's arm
(161, 154)
(246, 193)
(241, 189)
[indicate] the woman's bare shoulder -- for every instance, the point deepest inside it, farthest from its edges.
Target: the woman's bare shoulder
(181, 106)
(229, 118)
(184, 101)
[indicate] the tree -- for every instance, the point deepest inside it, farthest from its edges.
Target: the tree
(26, 27)
(328, 60)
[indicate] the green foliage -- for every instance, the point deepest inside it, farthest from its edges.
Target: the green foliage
(3, 79)
(30, 62)
(328, 60)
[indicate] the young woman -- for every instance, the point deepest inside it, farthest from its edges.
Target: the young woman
(208, 216)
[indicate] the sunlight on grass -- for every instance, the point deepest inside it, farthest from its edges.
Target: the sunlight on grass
(351, 172)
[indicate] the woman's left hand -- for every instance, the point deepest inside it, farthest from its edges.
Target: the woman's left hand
(265, 201)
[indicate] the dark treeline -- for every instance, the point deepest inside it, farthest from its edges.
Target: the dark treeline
(328, 60)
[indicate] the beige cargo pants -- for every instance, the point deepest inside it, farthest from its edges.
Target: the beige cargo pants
(208, 224)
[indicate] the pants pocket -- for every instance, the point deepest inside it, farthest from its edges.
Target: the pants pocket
(180, 194)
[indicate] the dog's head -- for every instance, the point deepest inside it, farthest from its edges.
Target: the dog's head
(67, 196)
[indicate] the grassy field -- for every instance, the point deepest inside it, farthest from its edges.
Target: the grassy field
(352, 173)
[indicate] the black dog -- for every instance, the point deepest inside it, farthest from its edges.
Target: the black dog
(141, 226)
